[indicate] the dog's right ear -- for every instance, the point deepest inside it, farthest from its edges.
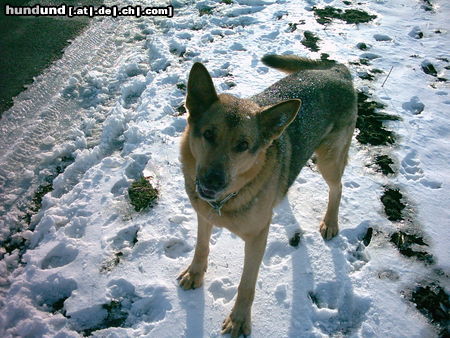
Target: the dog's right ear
(200, 92)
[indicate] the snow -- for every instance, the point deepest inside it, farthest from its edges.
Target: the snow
(93, 264)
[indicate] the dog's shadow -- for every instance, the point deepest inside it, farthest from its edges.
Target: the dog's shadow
(193, 303)
(327, 306)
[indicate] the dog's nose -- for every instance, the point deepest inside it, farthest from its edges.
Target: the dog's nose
(214, 180)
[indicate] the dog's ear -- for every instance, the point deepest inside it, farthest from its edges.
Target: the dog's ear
(200, 92)
(274, 120)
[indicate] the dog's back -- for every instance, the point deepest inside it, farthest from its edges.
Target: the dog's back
(328, 103)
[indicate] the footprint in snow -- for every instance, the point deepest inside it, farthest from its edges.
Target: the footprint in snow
(125, 238)
(216, 233)
(124, 308)
(174, 248)
(382, 37)
(354, 247)
(76, 227)
(223, 289)
(281, 295)
(410, 168)
(351, 184)
(59, 256)
(51, 294)
(277, 252)
(414, 105)
(338, 310)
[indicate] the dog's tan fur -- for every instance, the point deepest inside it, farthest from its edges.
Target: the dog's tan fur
(256, 147)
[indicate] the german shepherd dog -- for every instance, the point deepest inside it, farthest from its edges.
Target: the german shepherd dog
(240, 156)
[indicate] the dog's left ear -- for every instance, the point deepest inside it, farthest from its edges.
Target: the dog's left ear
(274, 120)
(200, 92)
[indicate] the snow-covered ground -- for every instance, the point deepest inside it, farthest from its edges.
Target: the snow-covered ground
(109, 108)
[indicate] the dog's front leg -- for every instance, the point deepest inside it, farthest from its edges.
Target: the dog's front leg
(239, 320)
(192, 277)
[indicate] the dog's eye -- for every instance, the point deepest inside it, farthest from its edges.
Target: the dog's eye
(208, 135)
(242, 146)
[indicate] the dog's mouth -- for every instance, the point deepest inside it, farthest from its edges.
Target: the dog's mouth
(206, 194)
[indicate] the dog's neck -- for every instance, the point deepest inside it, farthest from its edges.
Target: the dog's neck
(218, 205)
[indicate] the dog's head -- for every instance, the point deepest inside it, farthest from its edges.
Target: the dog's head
(228, 136)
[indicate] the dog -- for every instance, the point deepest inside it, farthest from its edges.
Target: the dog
(240, 156)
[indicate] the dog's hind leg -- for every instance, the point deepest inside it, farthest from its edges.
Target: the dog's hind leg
(331, 160)
(192, 277)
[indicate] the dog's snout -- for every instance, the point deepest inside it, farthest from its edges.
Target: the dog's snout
(214, 179)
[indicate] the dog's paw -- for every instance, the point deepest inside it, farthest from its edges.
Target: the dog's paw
(328, 230)
(190, 279)
(237, 323)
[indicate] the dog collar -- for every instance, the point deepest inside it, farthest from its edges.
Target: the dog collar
(217, 205)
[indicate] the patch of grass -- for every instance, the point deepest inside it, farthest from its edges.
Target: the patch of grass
(116, 317)
(367, 236)
(366, 76)
(433, 302)
(205, 11)
(226, 2)
(364, 61)
(181, 86)
(292, 27)
(36, 202)
(310, 41)
(393, 206)
(370, 122)
(181, 110)
(376, 71)
(110, 264)
(384, 163)
(428, 68)
(142, 194)
(407, 245)
(427, 5)
(295, 240)
(362, 46)
(58, 306)
(350, 16)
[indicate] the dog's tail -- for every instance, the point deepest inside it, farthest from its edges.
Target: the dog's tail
(292, 63)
